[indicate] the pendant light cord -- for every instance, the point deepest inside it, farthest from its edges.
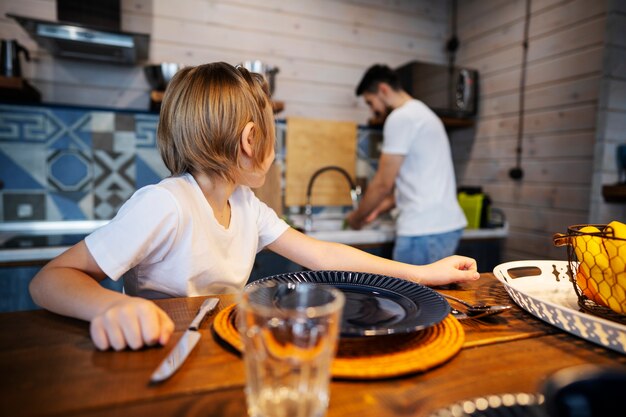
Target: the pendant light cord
(453, 43)
(517, 173)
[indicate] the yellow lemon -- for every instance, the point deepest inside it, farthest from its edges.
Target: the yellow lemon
(616, 251)
(594, 263)
(588, 287)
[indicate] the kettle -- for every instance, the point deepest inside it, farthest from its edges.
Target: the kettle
(9, 54)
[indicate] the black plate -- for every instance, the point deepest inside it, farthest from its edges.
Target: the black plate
(376, 304)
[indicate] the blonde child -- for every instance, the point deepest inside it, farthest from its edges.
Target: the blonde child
(198, 231)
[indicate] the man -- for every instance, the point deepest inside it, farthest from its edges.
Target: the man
(416, 166)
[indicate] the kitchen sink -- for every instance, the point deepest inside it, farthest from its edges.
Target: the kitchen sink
(333, 229)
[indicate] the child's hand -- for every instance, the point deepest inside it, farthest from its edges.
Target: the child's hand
(451, 269)
(132, 322)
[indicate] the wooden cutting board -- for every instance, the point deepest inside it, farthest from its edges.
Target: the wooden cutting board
(312, 144)
(271, 192)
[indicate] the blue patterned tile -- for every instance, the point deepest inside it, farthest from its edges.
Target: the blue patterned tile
(84, 163)
(123, 142)
(114, 181)
(102, 141)
(69, 170)
(26, 124)
(124, 122)
(145, 172)
(15, 177)
(75, 132)
(102, 121)
(23, 206)
(68, 204)
(145, 130)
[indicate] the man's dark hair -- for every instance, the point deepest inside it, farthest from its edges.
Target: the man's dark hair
(375, 75)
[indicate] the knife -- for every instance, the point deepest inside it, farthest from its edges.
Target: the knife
(185, 345)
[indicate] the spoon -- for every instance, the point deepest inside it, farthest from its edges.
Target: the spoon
(479, 310)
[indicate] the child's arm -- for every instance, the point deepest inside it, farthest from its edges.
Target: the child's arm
(318, 255)
(69, 285)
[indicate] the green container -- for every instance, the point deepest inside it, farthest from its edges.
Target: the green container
(472, 205)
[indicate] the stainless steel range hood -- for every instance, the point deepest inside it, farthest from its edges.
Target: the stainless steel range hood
(83, 41)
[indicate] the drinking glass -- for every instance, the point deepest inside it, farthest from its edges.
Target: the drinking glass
(289, 332)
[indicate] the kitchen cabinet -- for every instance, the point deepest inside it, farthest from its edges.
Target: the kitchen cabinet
(487, 252)
(14, 281)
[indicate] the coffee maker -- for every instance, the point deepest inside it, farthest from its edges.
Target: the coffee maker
(13, 88)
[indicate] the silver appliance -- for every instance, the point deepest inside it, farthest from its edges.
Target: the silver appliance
(268, 71)
(449, 91)
(87, 30)
(10, 51)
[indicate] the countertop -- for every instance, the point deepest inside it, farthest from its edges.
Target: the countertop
(38, 242)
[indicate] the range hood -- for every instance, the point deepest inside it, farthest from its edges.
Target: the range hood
(85, 30)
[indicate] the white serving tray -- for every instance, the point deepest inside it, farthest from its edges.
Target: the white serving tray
(550, 297)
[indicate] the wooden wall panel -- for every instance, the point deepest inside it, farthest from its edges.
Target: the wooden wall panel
(616, 95)
(567, 93)
(563, 87)
(322, 47)
(569, 14)
(553, 171)
(504, 59)
(500, 38)
(532, 245)
(542, 220)
(542, 145)
(568, 40)
(487, 17)
(475, 9)
(561, 197)
(581, 63)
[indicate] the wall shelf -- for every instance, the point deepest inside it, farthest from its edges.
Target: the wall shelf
(457, 122)
(615, 193)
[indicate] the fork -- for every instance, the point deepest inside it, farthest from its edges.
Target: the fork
(477, 310)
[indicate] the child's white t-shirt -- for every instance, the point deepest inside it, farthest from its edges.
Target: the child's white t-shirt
(166, 242)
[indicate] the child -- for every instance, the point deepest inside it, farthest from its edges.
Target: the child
(198, 231)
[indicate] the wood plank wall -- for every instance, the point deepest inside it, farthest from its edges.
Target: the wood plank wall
(565, 65)
(611, 130)
(322, 47)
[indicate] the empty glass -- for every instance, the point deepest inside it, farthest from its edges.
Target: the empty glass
(290, 334)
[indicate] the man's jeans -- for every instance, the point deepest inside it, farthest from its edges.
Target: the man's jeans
(422, 250)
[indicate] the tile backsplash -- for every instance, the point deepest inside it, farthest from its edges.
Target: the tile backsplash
(63, 163)
(70, 163)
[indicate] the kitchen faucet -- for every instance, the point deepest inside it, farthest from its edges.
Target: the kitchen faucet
(355, 192)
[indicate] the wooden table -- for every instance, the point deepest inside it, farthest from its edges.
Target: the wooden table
(49, 367)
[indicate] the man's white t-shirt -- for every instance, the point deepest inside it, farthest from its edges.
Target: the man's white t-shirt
(426, 196)
(166, 241)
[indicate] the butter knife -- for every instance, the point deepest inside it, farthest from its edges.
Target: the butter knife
(185, 345)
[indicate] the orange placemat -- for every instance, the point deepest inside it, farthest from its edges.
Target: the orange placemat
(375, 357)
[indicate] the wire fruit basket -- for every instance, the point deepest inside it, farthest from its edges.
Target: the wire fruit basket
(597, 267)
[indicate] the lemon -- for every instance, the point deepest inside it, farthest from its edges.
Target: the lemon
(616, 251)
(588, 287)
(594, 264)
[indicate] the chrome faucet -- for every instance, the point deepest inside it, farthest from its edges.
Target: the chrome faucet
(355, 192)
